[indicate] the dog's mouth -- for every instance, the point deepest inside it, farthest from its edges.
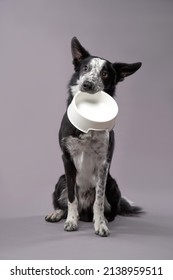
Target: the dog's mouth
(90, 87)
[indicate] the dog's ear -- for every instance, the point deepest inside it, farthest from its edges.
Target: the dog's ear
(78, 52)
(125, 69)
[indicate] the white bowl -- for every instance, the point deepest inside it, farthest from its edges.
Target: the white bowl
(96, 111)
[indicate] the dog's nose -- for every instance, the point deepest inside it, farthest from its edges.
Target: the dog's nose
(88, 86)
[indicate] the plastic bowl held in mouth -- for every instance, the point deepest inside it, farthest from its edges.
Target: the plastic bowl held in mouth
(96, 111)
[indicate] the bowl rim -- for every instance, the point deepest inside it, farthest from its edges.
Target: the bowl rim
(90, 119)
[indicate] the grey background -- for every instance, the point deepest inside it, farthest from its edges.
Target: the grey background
(35, 66)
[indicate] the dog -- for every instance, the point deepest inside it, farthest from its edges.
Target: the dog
(87, 191)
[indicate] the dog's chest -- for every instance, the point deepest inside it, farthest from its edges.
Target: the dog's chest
(89, 152)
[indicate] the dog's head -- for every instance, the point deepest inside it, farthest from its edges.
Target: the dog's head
(93, 73)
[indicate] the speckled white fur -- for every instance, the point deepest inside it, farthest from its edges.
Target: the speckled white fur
(72, 217)
(89, 153)
(95, 66)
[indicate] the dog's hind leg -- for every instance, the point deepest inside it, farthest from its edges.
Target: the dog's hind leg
(113, 197)
(56, 216)
(59, 202)
(118, 204)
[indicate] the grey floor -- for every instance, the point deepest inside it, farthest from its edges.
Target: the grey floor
(146, 237)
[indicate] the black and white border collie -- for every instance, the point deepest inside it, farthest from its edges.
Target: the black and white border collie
(87, 191)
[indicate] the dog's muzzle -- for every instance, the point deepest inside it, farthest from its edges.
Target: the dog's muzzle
(88, 86)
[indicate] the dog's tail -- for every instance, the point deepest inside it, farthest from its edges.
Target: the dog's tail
(127, 208)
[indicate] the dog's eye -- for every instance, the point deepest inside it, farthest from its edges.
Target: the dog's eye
(104, 74)
(85, 68)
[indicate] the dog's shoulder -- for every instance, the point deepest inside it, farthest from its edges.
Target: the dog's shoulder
(67, 128)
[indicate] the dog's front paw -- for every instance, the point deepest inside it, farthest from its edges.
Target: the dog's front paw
(70, 225)
(101, 229)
